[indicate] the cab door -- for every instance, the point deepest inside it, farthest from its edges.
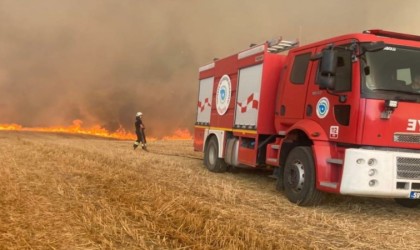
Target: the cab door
(336, 110)
(292, 98)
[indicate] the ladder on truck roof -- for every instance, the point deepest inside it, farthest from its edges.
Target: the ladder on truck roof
(279, 45)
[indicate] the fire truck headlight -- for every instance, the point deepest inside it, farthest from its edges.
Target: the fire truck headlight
(372, 162)
(360, 161)
(373, 183)
(372, 172)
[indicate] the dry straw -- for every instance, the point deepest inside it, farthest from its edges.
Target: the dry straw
(68, 192)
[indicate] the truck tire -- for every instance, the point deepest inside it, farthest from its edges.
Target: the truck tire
(211, 157)
(407, 202)
(299, 178)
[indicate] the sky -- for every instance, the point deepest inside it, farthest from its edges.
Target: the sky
(101, 61)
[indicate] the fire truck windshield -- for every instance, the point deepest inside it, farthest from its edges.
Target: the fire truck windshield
(392, 72)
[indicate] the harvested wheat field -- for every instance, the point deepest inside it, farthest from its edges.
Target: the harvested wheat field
(61, 191)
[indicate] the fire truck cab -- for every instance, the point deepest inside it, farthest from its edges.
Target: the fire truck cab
(338, 116)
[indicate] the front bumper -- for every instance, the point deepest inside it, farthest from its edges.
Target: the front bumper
(381, 173)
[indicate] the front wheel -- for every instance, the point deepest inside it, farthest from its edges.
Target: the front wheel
(299, 178)
(211, 157)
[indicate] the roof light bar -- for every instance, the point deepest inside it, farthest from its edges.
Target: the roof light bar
(392, 34)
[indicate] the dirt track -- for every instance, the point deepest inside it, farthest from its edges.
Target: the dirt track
(67, 192)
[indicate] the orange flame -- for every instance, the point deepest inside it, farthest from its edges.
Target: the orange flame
(76, 128)
(179, 134)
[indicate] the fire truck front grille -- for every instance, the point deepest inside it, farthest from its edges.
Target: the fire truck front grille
(408, 168)
(408, 138)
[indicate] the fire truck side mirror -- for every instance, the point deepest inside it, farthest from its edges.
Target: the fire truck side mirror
(327, 70)
(371, 47)
(374, 46)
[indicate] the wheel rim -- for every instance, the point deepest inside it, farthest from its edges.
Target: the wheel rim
(296, 176)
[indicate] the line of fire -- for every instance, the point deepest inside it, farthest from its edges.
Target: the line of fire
(96, 130)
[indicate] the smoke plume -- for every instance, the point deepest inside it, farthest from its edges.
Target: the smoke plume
(101, 61)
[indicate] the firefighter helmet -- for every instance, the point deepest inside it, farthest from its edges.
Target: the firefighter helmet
(139, 114)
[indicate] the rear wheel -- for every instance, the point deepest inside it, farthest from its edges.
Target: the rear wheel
(407, 202)
(211, 157)
(299, 178)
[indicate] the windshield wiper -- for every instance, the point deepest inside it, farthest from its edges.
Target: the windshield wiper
(413, 96)
(397, 91)
(407, 99)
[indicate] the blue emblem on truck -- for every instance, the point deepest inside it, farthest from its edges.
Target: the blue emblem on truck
(224, 91)
(322, 107)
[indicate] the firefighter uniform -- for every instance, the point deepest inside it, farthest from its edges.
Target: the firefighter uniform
(141, 136)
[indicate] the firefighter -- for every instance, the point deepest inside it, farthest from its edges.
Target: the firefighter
(141, 136)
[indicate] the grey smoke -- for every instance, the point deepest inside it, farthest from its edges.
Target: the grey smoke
(101, 61)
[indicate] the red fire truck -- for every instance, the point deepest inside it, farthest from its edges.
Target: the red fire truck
(338, 116)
